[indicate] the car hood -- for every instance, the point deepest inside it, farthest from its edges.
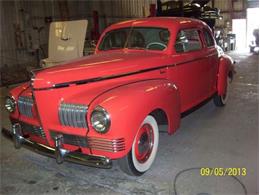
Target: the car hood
(96, 67)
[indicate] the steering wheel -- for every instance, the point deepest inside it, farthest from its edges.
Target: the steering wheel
(155, 43)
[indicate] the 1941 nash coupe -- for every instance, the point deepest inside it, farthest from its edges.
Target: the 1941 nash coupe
(109, 106)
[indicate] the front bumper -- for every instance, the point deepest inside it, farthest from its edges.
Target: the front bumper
(58, 152)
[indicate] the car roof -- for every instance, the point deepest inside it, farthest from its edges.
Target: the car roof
(169, 22)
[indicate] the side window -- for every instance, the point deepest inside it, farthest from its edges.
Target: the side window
(208, 38)
(188, 40)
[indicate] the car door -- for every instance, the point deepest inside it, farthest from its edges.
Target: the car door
(212, 60)
(190, 68)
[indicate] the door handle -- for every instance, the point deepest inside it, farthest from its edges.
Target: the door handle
(162, 71)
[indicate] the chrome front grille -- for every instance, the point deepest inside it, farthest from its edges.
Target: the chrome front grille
(73, 115)
(32, 129)
(115, 145)
(25, 105)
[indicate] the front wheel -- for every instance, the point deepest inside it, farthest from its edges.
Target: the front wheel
(144, 149)
(221, 100)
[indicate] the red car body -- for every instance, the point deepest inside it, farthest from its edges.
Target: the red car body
(128, 83)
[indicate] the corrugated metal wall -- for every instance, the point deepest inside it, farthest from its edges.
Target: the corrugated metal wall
(238, 10)
(19, 17)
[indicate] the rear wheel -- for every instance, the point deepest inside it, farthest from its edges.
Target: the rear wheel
(221, 100)
(144, 148)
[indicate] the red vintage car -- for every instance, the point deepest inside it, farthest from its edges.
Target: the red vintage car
(109, 106)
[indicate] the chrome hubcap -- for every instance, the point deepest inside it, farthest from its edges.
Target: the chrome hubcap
(144, 143)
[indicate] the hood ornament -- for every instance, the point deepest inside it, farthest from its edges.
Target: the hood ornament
(32, 75)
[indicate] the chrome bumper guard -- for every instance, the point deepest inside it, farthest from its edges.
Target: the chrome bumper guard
(59, 153)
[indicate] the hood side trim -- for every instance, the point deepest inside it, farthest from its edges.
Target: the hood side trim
(85, 81)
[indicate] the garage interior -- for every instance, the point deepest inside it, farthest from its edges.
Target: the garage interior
(209, 137)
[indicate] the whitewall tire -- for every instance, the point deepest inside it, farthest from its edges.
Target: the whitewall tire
(221, 100)
(144, 148)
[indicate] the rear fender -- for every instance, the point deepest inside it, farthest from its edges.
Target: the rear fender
(225, 69)
(129, 104)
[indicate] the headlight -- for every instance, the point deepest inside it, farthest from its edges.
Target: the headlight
(100, 120)
(10, 104)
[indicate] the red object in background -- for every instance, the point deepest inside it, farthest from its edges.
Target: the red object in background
(152, 10)
(95, 31)
(134, 86)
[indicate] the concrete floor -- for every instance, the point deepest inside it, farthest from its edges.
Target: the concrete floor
(209, 137)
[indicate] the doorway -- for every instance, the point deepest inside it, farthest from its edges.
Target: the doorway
(253, 16)
(239, 28)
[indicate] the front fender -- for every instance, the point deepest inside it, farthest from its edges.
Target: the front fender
(16, 92)
(225, 68)
(129, 104)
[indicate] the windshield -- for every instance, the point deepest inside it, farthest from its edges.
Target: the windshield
(149, 38)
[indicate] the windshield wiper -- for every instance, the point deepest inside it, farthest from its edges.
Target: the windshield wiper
(115, 48)
(112, 48)
(141, 48)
